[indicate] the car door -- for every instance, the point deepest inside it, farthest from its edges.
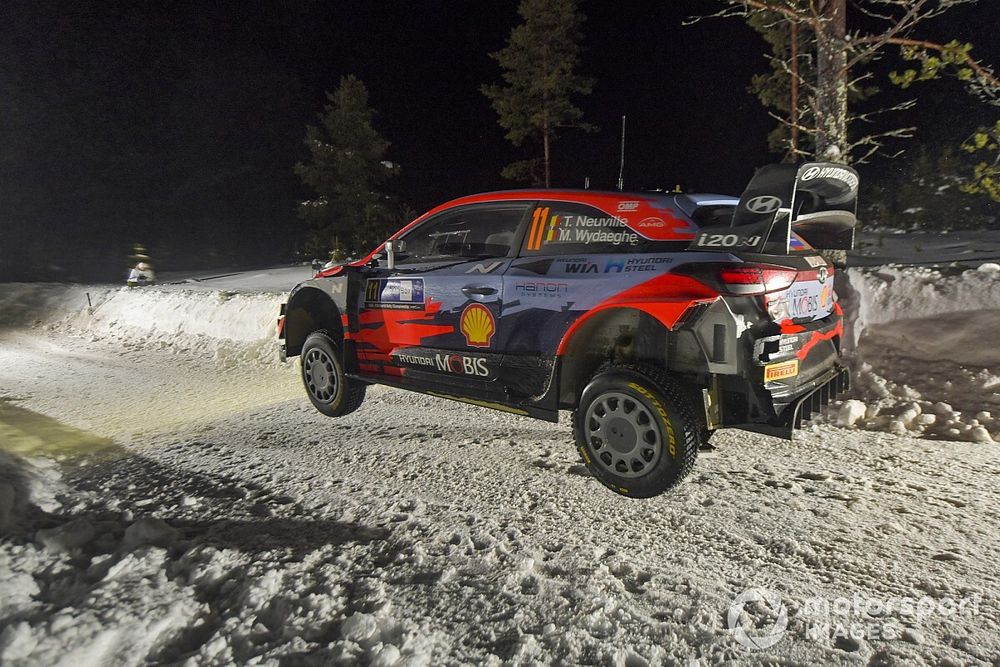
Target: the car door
(434, 319)
(573, 257)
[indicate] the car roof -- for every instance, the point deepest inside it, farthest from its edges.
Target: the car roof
(685, 201)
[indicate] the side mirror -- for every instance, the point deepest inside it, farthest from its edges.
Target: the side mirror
(392, 246)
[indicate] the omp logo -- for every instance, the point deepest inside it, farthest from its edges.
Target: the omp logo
(837, 173)
(738, 618)
(627, 206)
(461, 365)
(763, 204)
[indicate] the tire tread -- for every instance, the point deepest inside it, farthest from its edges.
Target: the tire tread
(689, 429)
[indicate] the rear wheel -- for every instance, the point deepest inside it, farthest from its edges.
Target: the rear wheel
(636, 430)
(329, 389)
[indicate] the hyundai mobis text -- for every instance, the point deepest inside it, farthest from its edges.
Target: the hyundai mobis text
(656, 318)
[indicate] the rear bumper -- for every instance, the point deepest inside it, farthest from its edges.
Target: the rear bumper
(793, 414)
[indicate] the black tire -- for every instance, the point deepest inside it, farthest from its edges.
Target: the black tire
(329, 389)
(636, 430)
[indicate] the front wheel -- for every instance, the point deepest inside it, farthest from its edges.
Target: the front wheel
(636, 430)
(329, 389)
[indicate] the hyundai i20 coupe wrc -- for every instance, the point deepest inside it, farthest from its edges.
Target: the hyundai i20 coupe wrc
(656, 318)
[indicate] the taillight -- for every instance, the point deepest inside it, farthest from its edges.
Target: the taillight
(753, 279)
(737, 279)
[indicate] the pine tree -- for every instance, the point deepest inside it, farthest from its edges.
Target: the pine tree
(837, 51)
(986, 173)
(347, 169)
(781, 90)
(539, 64)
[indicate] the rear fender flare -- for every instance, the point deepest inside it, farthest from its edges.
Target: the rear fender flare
(667, 312)
(595, 338)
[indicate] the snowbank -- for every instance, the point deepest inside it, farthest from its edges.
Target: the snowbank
(926, 362)
(920, 334)
(891, 293)
(234, 327)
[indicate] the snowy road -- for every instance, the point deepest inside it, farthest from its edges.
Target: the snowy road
(206, 512)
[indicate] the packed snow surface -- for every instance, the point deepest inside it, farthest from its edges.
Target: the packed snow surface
(168, 495)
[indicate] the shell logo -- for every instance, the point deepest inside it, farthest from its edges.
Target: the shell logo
(477, 325)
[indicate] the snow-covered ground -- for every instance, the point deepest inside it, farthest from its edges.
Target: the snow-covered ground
(168, 495)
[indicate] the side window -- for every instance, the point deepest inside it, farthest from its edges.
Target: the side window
(476, 231)
(559, 228)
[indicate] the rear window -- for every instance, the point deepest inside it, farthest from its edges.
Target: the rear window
(713, 216)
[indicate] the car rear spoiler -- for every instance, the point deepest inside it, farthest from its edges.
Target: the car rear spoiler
(817, 201)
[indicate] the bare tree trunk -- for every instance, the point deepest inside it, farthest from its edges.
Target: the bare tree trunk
(545, 143)
(794, 101)
(831, 84)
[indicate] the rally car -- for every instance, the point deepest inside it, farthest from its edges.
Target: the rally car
(656, 318)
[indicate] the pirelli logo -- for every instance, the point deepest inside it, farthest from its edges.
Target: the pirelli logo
(781, 371)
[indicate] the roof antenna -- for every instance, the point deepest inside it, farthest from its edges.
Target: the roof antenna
(621, 169)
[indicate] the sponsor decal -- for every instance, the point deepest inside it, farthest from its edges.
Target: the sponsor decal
(648, 223)
(581, 267)
(781, 371)
(395, 293)
(815, 261)
(462, 365)
(763, 204)
(541, 288)
(337, 286)
(821, 274)
(624, 206)
(836, 173)
(485, 268)
(616, 265)
(806, 301)
(404, 358)
(788, 343)
(477, 325)
(636, 264)
(668, 425)
(456, 364)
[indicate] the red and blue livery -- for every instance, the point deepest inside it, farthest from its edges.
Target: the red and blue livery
(656, 318)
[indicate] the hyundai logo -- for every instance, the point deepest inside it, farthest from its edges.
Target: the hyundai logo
(821, 274)
(763, 204)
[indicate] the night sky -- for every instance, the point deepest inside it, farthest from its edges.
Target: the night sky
(177, 123)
